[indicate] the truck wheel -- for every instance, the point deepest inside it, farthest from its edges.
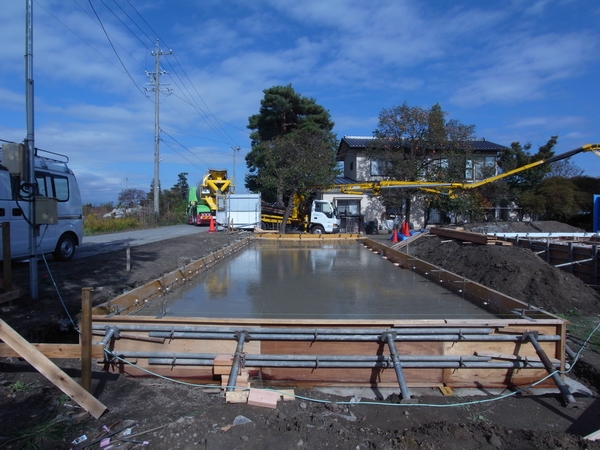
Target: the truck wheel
(317, 229)
(65, 248)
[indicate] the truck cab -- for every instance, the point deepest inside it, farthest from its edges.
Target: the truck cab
(323, 218)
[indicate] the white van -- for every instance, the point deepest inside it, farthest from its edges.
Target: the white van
(54, 180)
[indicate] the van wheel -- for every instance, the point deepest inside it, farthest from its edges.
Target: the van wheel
(65, 248)
(317, 229)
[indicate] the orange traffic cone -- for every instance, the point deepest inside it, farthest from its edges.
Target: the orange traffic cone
(406, 229)
(211, 229)
(395, 237)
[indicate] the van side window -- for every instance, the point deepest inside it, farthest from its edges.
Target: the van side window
(50, 185)
(41, 182)
(61, 188)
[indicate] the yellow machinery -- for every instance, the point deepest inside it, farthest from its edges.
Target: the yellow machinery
(202, 199)
(443, 187)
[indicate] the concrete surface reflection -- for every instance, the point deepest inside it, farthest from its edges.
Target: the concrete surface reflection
(330, 281)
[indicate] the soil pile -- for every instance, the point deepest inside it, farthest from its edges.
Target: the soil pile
(514, 271)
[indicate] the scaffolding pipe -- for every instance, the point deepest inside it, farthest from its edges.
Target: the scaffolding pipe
(241, 337)
(318, 331)
(353, 338)
(390, 339)
(318, 364)
(272, 357)
(532, 336)
(110, 333)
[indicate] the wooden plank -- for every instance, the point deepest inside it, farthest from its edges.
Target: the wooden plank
(11, 295)
(236, 397)
(43, 365)
(466, 236)
(54, 351)
(266, 399)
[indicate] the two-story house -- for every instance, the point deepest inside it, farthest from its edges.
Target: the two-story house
(361, 208)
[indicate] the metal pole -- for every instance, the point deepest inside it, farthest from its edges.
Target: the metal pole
(390, 338)
(560, 384)
(156, 129)
(315, 332)
(237, 360)
(30, 149)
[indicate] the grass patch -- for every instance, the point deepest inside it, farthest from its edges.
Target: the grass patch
(95, 225)
(19, 386)
(51, 434)
(581, 326)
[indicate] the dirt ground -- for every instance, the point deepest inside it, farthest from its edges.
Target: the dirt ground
(166, 415)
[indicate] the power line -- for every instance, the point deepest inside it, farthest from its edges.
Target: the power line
(183, 146)
(133, 21)
(113, 47)
(124, 24)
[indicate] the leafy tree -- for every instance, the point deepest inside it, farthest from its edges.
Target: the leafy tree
(282, 112)
(519, 156)
(555, 198)
(520, 188)
(296, 162)
(131, 197)
(181, 187)
(565, 169)
(412, 144)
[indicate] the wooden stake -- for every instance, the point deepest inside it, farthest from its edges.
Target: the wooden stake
(128, 253)
(6, 263)
(47, 368)
(85, 327)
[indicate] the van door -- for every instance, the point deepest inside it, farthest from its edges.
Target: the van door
(11, 212)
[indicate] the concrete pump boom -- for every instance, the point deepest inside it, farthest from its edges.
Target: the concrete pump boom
(445, 187)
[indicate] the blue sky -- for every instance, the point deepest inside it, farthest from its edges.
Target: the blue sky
(517, 70)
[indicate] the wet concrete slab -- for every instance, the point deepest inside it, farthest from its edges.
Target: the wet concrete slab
(330, 280)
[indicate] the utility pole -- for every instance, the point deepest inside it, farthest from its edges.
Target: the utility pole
(235, 149)
(29, 174)
(155, 83)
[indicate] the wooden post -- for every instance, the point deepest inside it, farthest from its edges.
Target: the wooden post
(85, 327)
(128, 253)
(6, 263)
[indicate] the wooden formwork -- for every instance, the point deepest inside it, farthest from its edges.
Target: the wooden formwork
(458, 353)
(579, 258)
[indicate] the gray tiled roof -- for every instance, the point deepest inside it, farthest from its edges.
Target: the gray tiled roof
(358, 141)
(477, 144)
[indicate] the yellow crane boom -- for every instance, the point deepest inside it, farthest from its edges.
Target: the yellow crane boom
(438, 187)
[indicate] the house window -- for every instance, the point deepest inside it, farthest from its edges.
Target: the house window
(379, 167)
(480, 167)
(348, 208)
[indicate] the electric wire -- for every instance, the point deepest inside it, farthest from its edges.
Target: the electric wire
(168, 144)
(58, 292)
(231, 140)
(212, 121)
(114, 49)
(75, 34)
(374, 403)
(180, 144)
(124, 24)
